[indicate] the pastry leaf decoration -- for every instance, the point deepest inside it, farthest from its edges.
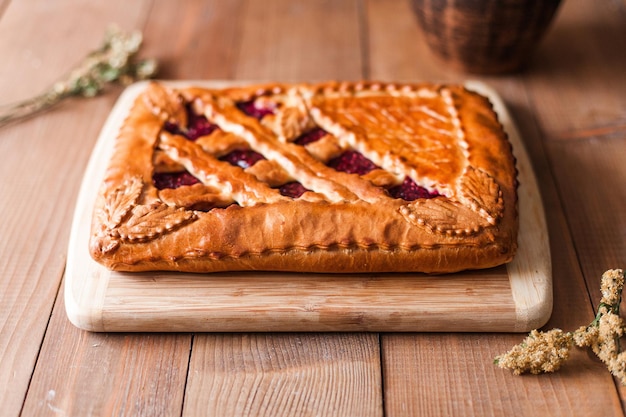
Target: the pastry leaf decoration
(441, 215)
(167, 104)
(150, 221)
(291, 122)
(123, 219)
(482, 194)
(119, 202)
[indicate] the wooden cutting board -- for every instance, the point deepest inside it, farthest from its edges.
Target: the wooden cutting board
(512, 298)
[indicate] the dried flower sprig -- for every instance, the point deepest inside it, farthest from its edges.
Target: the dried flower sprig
(113, 62)
(547, 351)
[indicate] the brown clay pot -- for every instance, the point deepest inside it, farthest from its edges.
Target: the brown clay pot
(484, 36)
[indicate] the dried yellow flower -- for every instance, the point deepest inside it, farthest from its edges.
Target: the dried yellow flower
(546, 351)
(540, 352)
(585, 336)
(617, 367)
(611, 286)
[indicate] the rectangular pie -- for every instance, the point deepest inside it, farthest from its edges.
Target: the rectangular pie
(335, 177)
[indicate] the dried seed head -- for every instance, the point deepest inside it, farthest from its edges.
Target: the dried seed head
(611, 286)
(540, 352)
(546, 351)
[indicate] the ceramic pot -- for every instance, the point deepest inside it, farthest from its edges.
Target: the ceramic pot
(484, 36)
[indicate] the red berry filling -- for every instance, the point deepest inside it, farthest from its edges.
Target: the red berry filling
(163, 180)
(197, 125)
(410, 191)
(310, 136)
(352, 162)
(243, 158)
(250, 108)
(292, 189)
(172, 128)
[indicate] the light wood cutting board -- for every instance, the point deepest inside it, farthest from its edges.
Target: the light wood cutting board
(512, 298)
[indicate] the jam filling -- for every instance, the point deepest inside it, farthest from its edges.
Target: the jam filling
(243, 158)
(197, 126)
(250, 108)
(352, 162)
(292, 189)
(310, 136)
(410, 191)
(164, 180)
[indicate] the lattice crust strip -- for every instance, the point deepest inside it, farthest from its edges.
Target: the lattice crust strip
(354, 176)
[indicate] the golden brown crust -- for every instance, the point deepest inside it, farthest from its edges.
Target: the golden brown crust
(445, 138)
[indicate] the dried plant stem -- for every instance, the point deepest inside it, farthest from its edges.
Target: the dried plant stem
(113, 62)
(14, 112)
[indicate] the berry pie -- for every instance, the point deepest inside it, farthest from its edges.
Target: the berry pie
(335, 177)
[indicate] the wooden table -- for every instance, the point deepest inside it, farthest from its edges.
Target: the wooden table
(570, 106)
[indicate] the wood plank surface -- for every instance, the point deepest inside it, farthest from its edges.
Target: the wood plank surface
(583, 114)
(432, 374)
(286, 374)
(400, 54)
(573, 92)
(198, 41)
(300, 41)
(585, 130)
(298, 44)
(41, 170)
(150, 375)
(91, 374)
(591, 175)
(454, 375)
(586, 150)
(3, 6)
(570, 106)
(255, 45)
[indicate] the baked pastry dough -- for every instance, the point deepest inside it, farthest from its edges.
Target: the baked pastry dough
(329, 177)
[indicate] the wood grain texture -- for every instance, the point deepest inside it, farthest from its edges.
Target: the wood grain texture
(586, 154)
(428, 375)
(90, 374)
(400, 54)
(3, 6)
(198, 41)
(438, 374)
(285, 375)
(591, 175)
(581, 86)
(242, 40)
(291, 41)
(585, 131)
(580, 384)
(41, 169)
(267, 302)
(569, 106)
(300, 41)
